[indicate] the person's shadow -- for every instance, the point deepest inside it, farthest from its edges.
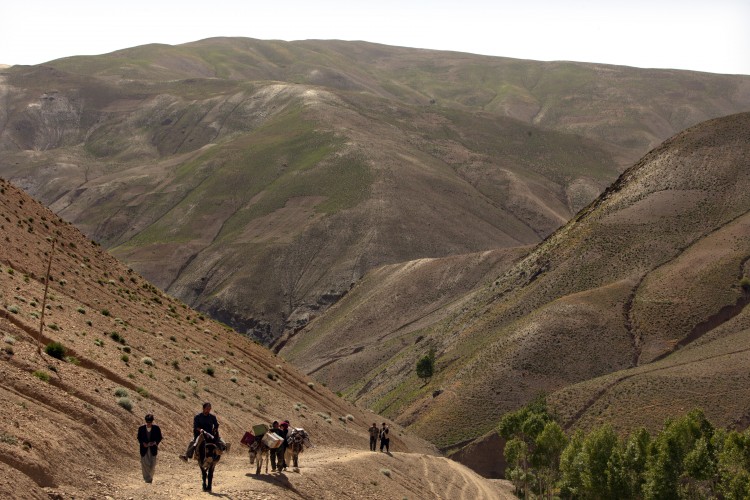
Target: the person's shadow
(278, 480)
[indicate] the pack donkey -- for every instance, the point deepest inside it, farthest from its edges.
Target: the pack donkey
(297, 441)
(259, 451)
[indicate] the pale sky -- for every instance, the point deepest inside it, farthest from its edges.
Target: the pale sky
(701, 35)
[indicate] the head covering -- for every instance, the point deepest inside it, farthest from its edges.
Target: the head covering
(284, 423)
(149, 418)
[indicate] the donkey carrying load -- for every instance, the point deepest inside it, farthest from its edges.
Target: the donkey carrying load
(259, 452)
(297, 440)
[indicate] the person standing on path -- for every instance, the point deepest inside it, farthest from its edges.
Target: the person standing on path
(149, 437)
(385, 441)
(374, 431)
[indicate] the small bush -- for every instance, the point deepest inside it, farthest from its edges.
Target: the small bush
(117, 337)
(41, 375)
(55, 349)
(125, 403)
(175, 364)
(81, 310)
(73, 360)
(233, 379)
(121, 392)
(143, 392)
(125, 358)
(105, 312)
(9, 339)
(126, 349)
(386, 472)
(8, 439)
(350, 418)
(53, 326)
(209, 370)
(13, 309)
(311, 385)
(147, 361)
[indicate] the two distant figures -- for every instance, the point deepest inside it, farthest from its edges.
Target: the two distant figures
(382, 434)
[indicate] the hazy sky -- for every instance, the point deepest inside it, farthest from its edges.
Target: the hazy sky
(702, 35)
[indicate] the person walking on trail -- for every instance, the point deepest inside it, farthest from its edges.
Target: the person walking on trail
(283, 432)
(385, 441)
(274, 452)
(374, 432)
(149, 437)
(202, 422)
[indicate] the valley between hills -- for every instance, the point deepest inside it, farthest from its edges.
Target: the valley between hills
(574, 230)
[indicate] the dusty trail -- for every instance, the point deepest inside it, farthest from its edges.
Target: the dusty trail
(325, 473)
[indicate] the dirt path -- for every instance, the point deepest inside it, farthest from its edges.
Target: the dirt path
(325, 474)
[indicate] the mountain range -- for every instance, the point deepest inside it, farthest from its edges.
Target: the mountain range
(632, 312)
(358, 206)
(258, 180)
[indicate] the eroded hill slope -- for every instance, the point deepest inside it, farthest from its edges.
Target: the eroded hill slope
(66, 428)
(257, 180)
(631, 312)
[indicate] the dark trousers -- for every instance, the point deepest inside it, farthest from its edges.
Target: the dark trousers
(273, 453)
(373, 442)
(385, 443)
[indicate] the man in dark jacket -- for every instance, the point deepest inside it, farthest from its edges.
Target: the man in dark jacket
(273, 452)
(149, 437)
(283, 432)
(202, 422)
(385, 440)
(374, 431)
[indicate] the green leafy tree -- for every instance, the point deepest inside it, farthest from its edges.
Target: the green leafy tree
(665, 466)
(733, 465)
(517, 457)
(526, 425)
(426, 366)
(572, 464)
(549, 445)
(597, 450)
(635, 457)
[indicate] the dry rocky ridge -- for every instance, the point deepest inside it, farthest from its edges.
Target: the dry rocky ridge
(67, 433)
(292, 168)
(633, 312)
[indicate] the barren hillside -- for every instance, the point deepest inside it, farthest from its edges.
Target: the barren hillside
(257, 180)
(632, 312)
(68, 425)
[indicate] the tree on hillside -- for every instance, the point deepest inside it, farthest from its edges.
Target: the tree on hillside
(426, 366)
(529, 450)
(665, 471)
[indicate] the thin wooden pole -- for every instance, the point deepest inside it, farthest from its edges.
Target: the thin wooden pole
(44, 300)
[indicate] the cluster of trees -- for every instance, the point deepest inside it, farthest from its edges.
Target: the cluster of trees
(688, 458)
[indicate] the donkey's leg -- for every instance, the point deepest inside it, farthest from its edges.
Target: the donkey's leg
(210, 477)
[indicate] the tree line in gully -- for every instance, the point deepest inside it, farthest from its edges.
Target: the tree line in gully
(688, 458)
